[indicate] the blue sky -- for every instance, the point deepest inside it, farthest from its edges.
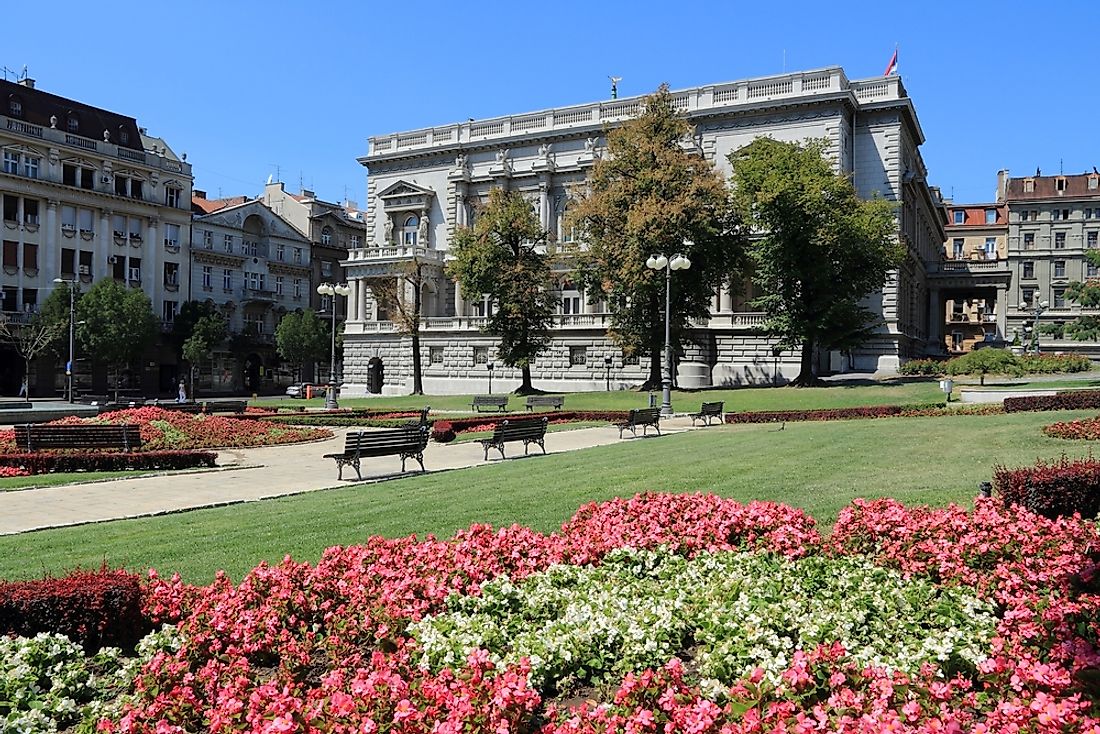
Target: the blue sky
(244, 86)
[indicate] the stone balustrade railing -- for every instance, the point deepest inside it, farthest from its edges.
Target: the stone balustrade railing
(738, 320)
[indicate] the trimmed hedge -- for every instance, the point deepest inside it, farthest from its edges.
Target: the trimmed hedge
(94, 609)
(464, 424)
(1075, 400)
(348, 418)
(1052, 489)
(916, 410)
(48, 462)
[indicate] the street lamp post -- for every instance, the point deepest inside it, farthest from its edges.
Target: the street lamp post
(489, 366)
(72, 342)
(1036, 311)
(332, 290)
(660, 262)
(607, 366)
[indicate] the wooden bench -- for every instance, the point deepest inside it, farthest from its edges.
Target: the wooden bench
(422, 420)
(708, 411)
(530, 430)
(496, 402)
(545, 401)
(408, 442)
(225, 406)
(644, 417)
(31, 437)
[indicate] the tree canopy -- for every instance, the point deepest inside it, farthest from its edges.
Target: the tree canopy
(502, 256)
(205, 334)
(649, 195)
(401, 294)
(820, 249)
(302, 337)
(115, 323)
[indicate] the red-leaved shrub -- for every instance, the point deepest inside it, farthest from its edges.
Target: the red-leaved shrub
(92, 608)
(443, 432)
(1052, 489)
(13, 471)
(43, 462)
(1073, 400)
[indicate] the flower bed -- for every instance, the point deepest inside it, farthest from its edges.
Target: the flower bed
(46, 462)
(1085, 428)
(1053, 489)
(342, 417)
(13, 471)
(869, 411)
(1070, 400)
(927, 619)
(167, 430)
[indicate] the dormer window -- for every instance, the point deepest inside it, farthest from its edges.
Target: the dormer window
(1094, 182)
(73, 123)
(123, 136)
(1060, 184)
(15, 106)
(960, 216)
(1029, 185)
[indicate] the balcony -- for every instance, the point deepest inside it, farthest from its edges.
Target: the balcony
(390, 253)
(743, 320)
(251, 294)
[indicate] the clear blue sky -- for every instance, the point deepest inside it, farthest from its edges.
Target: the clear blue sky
(243, 86)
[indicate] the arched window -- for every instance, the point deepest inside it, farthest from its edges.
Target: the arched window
(326, 236)
(566, 232)
(409, 231)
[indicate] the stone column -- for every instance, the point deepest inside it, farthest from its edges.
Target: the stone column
(460, 303)
(104, 245)
(460, 203)
(935, 320)
(1001, 307)
(544, 201)
(725, 298)
(50, 262)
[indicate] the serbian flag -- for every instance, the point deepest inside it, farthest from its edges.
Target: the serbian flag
(892, 67)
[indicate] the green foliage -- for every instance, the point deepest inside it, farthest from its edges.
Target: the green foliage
(647, 196)
(499, 256)
(738, 611)
(821, 251)
(118, 323)
(55, 310)
(302, 337)
(985, 362)
(923, 367)
(209, 331)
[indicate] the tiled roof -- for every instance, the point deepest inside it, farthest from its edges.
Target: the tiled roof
(1046, 187)
(209, 206)
(38, 107)
(974, 215)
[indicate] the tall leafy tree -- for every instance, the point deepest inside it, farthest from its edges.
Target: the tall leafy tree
(301, 338)
(32, 338)
(208, 332)
(1087, 294)
(820, 251)
(401, 293)
(649, 195)
(503, 256)
(116, 324)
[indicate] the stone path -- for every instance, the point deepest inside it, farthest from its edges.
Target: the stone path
(254, 474)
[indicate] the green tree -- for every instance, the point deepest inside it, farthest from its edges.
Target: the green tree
(1087, 294)
(208, 332)
(32, 338)
(302, 337)
(55, 310)
(501, 256)
(116, 325)
(650, 195)
(985, 362)
(821, 249)
(401, 294)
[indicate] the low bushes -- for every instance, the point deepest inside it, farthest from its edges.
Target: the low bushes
(558, 416)
(997, 361)
(45, 462)
(865, 411)
(1087, 429)
(13, 471)
(1052, 489)
(923, 367)
(1074, 400)
(1054, 363)
(347, 418)
(94, 609)
(443, 432)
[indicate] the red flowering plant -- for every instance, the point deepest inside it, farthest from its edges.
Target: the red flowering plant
(325, 648)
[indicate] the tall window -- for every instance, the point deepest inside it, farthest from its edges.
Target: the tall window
(1029, 240)
(278, 285)
(227, 279)
(1026, 295)
(298, 255)
(990, 248)
(227, 242)
(1059, 268)
(1059, 297)
(172, 196)
(280, 252)
(171, 308)
(409, 231)
(297, 289)
(208, 239)
(11, 162)
(326, 236)
(1029, 269)
(171, 235)
(355, 241)
(1090, 240)
(1059, 240)
(171, 273)
(207, 275)
(1091, 271)
(957, 248)
(990, 216)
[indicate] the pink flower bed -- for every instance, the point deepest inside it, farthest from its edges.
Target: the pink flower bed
(321, 648)
(13, 471)
(172, 430)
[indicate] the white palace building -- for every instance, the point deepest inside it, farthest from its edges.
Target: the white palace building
(423, 184)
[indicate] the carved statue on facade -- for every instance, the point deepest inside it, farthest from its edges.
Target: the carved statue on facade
(425, 225)
(461, 160)
(590, 146)
(544, 150)
(388, 236)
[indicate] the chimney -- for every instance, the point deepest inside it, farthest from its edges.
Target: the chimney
(27, 82)
(198, 193)
(1002, 184)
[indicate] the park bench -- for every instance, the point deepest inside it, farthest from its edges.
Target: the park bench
(126, 436)
(225, 406)
(496, 402)
(530, 430)
(708, 411)
(545, 401)
(422, 420)
(408, 442)
(644, 417)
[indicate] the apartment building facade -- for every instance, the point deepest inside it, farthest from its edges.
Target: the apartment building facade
(424, 184)
(1052, 222)
(253, 267)
(87, 194)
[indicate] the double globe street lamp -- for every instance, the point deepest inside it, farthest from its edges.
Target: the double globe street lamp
(1037, 309)
(332, 290)
(70, 367)
(660, 262)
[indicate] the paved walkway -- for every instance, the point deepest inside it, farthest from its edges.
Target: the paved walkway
(254, 474)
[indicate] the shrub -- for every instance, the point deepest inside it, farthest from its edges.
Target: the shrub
(1054, 363)
(13, 471)
(985, 362)
(923, 367)
(1076, 400)
(443, 432)
(43, 462)
(1087, 429)
(828, 414)
(1052, 489)
(92, 608)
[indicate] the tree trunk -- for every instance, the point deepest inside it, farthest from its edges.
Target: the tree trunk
(525, 387)
(192, 382)
(806, 376)
(656, 353)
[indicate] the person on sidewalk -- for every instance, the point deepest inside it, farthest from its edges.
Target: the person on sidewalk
(182, 397)
(23, 388)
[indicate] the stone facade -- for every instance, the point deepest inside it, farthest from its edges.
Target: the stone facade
(425, 183)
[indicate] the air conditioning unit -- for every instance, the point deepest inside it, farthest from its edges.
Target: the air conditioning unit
(112, 260)
(87, 270)
(105, 179)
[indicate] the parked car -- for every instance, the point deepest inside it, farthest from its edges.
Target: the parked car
(299, 390)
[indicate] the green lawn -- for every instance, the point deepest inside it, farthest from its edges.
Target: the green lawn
(740, 399)
(52, 480)
(816, 466)
(995, 384)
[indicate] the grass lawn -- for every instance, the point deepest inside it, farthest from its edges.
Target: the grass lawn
(552, 428)
(740, 399)
(817, 466)
(52, 480)
(995, 384)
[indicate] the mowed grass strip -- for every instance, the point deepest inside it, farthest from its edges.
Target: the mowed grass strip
(53, 480)
(820, 467)
(740, 399)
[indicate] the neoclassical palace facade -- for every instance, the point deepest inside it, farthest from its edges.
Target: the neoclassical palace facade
(423, 184)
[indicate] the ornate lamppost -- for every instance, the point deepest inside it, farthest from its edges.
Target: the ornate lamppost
(332, 290)
(660, 262)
